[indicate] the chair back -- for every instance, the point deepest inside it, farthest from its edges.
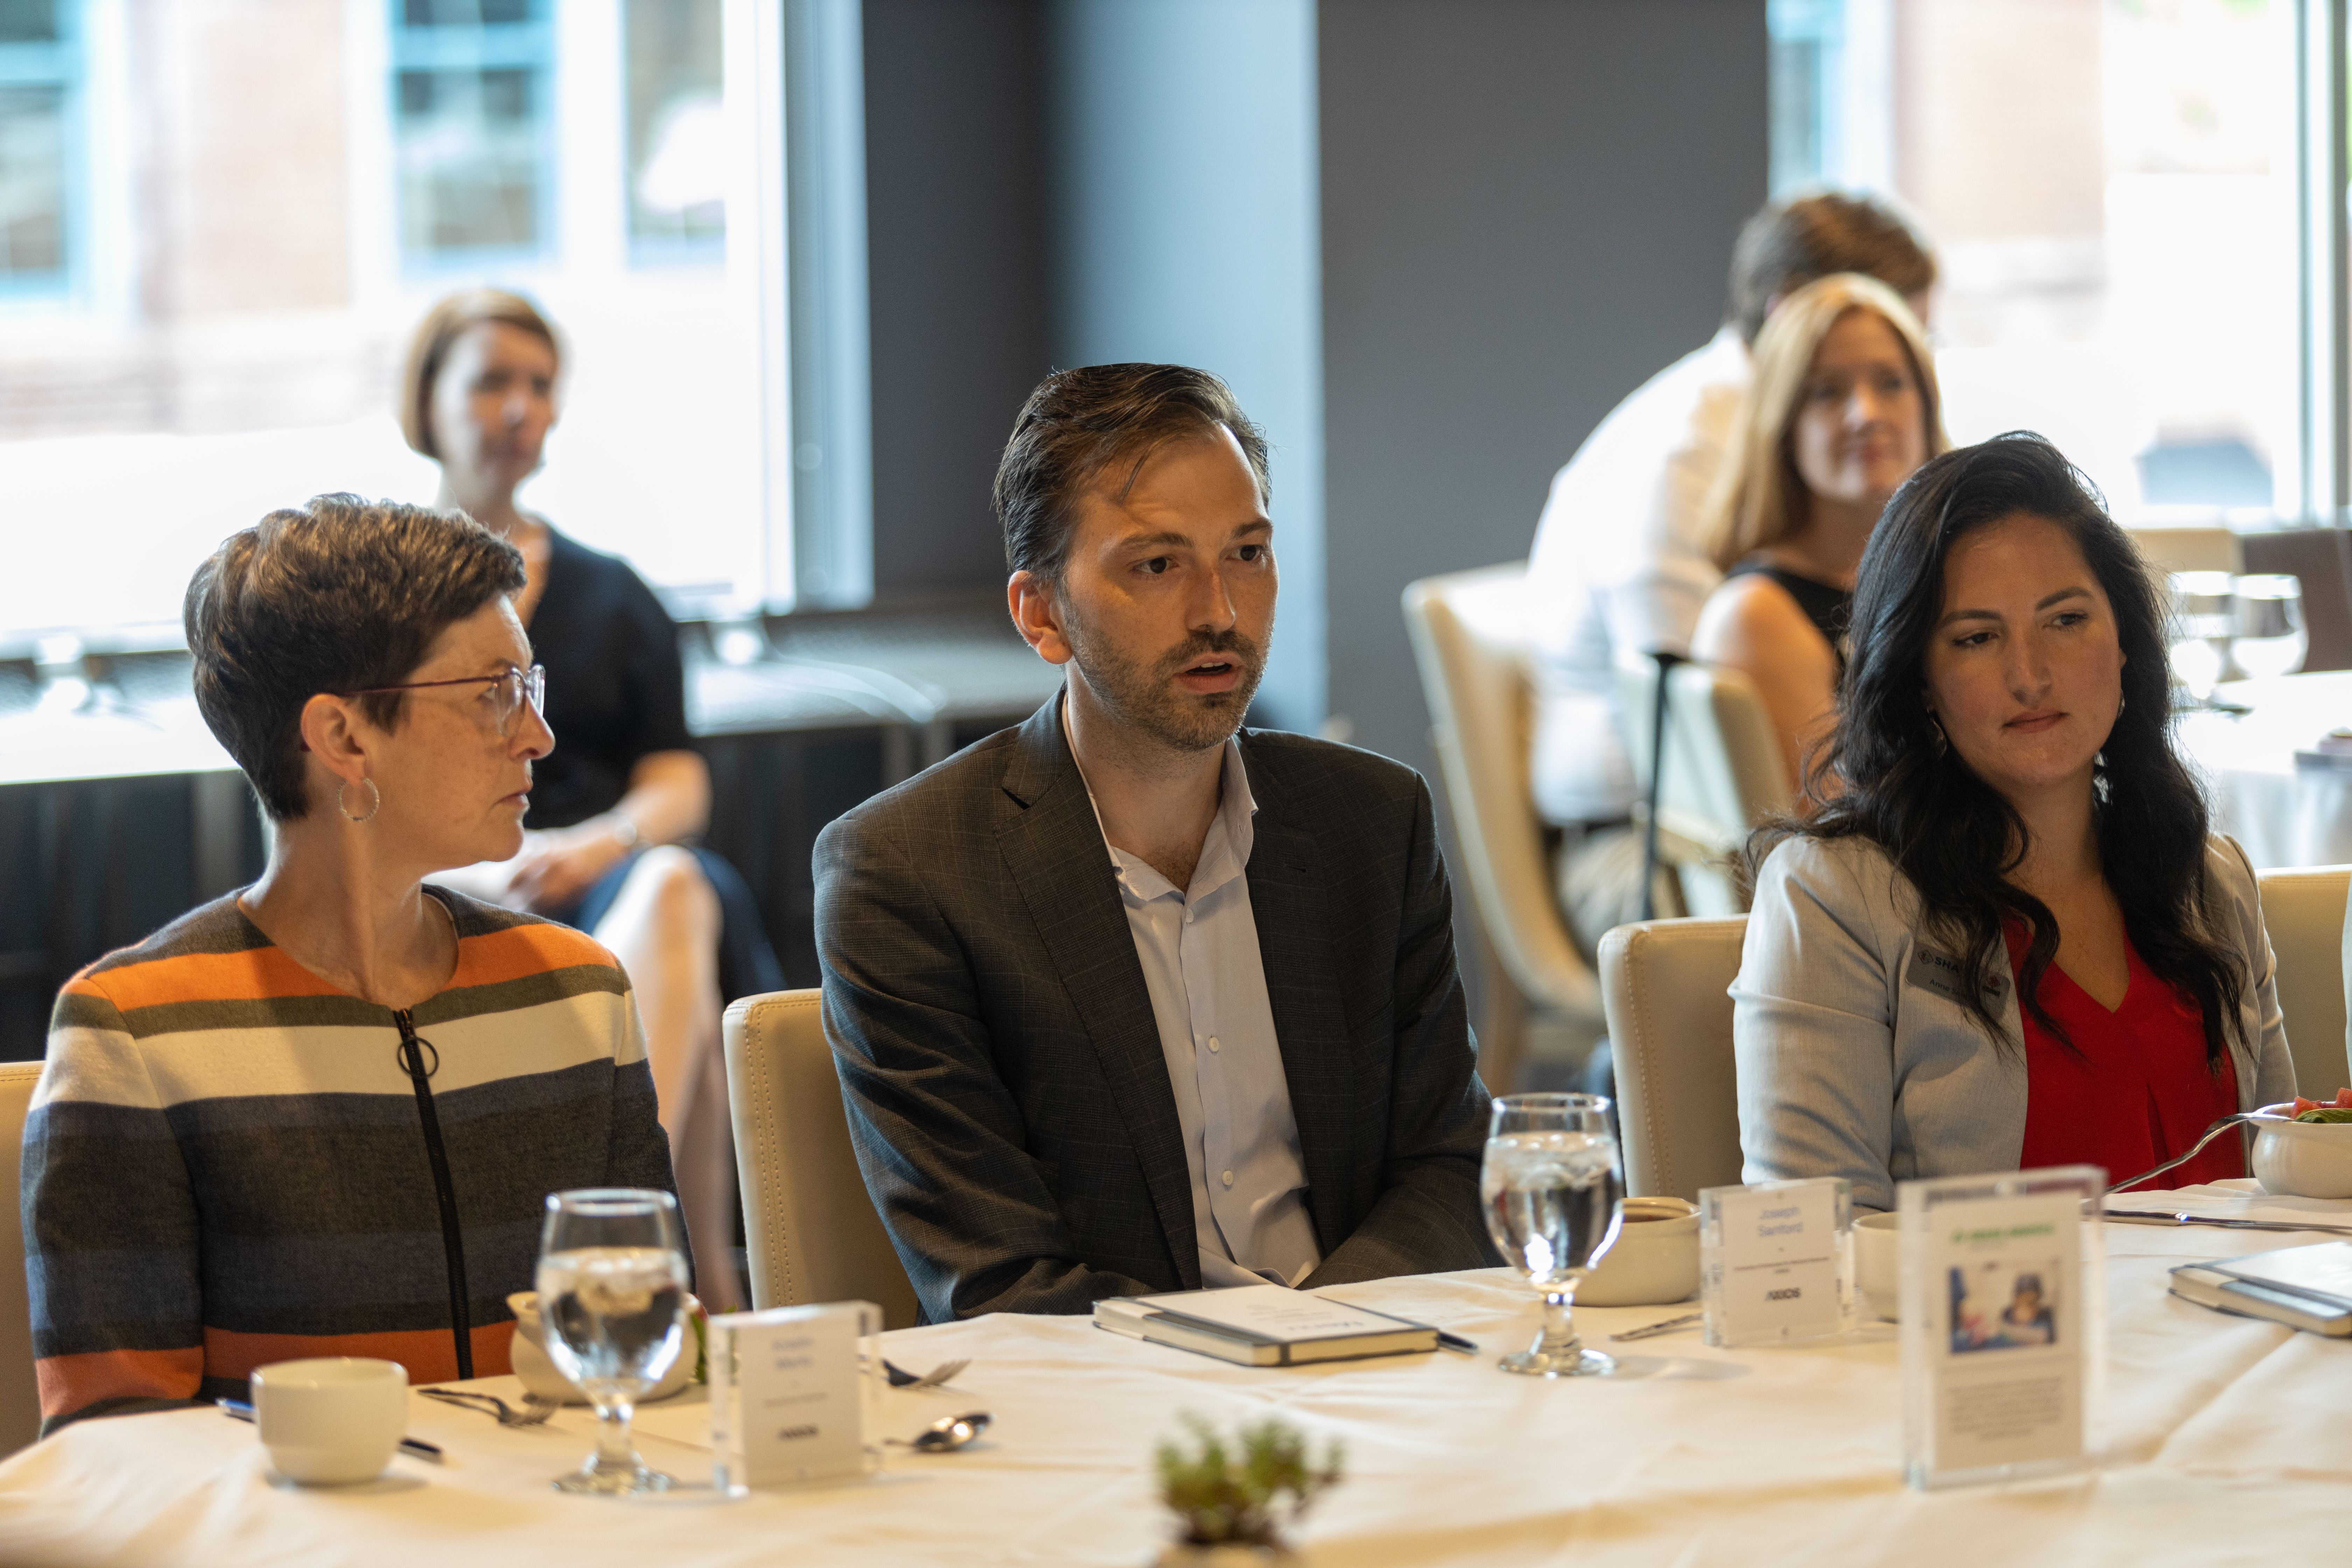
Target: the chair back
(2193, 547)
(2303, 909)
(1666, 983)
(1723, 766)
(813, 1231)
(1470, 638)
(20, 1397)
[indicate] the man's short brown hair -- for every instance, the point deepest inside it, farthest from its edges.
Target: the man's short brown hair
(1796, 240)
(336, 596)
(1081, 423)
(428, 350)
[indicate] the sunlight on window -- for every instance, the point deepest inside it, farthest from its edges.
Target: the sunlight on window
(168, 376)
(2111, 188)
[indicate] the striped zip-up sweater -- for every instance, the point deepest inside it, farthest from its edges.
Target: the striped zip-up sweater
(225, 1163)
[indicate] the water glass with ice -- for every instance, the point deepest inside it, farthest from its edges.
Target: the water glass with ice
(612, 1295)
(1554, 1200)
(2269, 636)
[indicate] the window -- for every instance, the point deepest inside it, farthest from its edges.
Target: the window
(40, 113)
(470, 98)
(2111, 188)
(271, 213)
(678, 128)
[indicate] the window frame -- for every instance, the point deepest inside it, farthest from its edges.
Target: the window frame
(64, 65)
(441, 46)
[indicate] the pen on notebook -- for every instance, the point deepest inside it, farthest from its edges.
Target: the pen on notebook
(413, 1445)
(1456, 1342)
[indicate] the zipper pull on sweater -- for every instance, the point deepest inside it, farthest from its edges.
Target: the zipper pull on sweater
(412, 1050)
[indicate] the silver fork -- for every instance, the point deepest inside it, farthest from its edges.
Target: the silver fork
(535, 1409)
(943, 1372)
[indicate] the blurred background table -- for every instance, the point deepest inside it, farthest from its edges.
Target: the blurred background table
(2227, 1439)
(2284, 813)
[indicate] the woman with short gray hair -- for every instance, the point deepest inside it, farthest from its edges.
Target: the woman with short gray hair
(320, 1116)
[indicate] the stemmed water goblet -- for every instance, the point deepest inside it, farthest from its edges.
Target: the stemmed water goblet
(1553, 1196)
(612, 1295)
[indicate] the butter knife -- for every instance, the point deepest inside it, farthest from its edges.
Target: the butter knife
(2168, 1216)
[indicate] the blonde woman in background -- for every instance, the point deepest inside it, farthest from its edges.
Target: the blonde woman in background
(1844, 408)
(617, 807)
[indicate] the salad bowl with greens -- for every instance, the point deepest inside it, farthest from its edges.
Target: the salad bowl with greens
(2303, 1148)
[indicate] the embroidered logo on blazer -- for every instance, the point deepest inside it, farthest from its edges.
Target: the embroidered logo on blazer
(1941, 976)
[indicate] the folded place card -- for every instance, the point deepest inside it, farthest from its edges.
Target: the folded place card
(2002, 1325)
(1773, 1261)
(788, 1395)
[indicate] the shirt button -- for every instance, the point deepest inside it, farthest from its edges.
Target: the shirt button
(1213, 1047)
(1229, 1178)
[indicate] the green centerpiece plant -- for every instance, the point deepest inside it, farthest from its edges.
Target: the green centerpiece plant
(1239, 1501)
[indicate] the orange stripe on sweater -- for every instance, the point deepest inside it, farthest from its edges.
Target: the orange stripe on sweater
(203, 977)
(519, 950)
(266, 972)
(427, 1354)
(70, 1382)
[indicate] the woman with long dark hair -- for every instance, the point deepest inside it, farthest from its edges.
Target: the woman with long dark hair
(2008, 939)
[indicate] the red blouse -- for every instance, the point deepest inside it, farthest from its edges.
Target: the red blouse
(2133, 1091)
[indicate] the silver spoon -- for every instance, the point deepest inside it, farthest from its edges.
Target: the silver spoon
(535, 1412)
(947, 1434)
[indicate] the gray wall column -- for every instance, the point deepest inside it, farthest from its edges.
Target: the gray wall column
(1528, 210)
(1182, 210)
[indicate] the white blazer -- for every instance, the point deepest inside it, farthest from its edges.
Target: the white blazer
(1856, 1056)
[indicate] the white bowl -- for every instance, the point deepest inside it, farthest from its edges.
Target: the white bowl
(529, 1355)
(2302, 1159)
(1877, 1273)
(330, 1420)
(1652, 1262)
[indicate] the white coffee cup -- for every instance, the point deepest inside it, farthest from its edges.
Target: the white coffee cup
(1877, 1254)
(1652, 1262)
(333, 1419)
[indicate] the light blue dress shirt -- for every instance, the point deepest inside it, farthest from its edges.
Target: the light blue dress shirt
(1200, 956)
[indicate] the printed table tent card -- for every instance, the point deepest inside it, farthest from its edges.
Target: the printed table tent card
(2002, 1324)
(1772, 1261)
(788, 1395)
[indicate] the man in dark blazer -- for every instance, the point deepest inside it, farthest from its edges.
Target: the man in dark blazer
(1129, 999)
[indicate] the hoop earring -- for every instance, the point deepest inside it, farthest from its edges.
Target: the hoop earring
(375, 801)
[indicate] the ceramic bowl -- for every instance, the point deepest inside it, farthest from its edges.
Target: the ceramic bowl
(2302, 1159)
(530, 1358)
(1652, 1262)
(1877, 1278)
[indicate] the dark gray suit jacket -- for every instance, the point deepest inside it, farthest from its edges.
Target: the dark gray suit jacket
(1002, 1070)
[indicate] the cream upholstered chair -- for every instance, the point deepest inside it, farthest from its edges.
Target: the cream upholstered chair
(1723, 766)
(1469, 638)
(813, 1233)
(20, 1400)
(1670, 1024)
(2200, 547)
(2303, 909)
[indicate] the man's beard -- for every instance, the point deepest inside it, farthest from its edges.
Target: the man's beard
(1145, 698)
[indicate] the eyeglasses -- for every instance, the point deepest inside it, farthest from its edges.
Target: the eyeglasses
(508, 691)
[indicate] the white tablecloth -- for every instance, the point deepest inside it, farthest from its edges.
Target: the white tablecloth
(2284, 815)
(2231, 1440)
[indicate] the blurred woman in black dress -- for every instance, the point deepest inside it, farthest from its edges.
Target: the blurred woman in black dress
(615, 807)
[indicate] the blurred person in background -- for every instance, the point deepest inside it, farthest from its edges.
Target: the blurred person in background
(257, 1130)
(1620, 559)
(1844, 408)
(616, 808)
